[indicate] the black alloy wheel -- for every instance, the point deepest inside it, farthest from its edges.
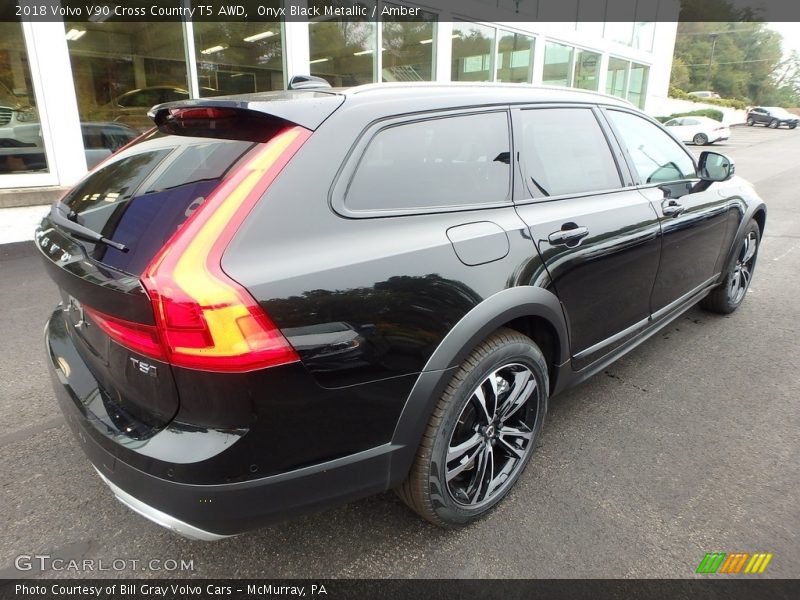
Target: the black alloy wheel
(482, 432)
(727, 297)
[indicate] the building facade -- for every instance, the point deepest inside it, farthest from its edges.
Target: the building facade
(63, 85)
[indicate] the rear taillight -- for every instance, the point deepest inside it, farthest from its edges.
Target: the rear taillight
(204, 319)
(136, 336)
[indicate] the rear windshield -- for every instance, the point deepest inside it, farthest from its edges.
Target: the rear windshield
(143, 196)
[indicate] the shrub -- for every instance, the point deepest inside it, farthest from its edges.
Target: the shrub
(727, 102)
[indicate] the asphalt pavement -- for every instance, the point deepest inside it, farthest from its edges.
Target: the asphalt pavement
(689, 444)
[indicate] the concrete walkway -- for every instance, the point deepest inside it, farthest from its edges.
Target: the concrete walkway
(17, 224)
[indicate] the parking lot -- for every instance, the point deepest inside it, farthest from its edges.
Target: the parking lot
(690, 444)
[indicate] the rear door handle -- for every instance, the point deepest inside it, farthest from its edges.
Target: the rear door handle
(565, 236)
(672, 209)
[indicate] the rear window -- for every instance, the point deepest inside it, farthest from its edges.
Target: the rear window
(143, 196)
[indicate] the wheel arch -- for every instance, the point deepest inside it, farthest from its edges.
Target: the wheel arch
(760, 216)
(757, 213)
(530, 310)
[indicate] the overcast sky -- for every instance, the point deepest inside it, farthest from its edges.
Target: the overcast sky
(791, 35)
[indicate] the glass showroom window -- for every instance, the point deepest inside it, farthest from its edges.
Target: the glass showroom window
(617, 77)
(473, 50)
(514, 57)
(557, 64)
(122, 69)
(637, 86)
(343, 51)
(587, 70)
(408, 48)
(238, 58)
(21, 146)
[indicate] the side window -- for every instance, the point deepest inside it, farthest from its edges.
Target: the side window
(657, 157)
(673, 123)
(442, 162)
(691, 122)
(564, 151)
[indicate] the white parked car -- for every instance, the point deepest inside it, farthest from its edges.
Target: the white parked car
(698, 130)
(704, 94)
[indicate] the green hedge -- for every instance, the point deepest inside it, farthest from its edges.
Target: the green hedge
(727, 102)
(705, 112)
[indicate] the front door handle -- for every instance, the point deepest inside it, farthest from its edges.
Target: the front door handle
(567, 236)
(672, 209)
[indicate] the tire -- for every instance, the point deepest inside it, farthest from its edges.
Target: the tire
(471, 431)
(750, 121)
(729, 295)
(793, 125)
(701, 139)
(773, 124)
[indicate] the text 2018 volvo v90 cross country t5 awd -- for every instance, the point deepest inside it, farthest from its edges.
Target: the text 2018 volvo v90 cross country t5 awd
(277, 302)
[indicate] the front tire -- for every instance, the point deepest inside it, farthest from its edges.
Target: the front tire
(750, 122)
(773, 124)
(701, 139)
(482, 432)
(728, 296)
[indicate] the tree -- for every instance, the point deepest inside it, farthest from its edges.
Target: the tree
(679, 76)
(735, 59)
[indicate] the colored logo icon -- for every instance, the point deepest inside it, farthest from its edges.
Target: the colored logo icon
(737, 562)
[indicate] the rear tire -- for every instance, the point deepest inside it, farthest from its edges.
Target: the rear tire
(729, 295)
(701, 139)
(793, 125)
(773, 124)
(482, 432)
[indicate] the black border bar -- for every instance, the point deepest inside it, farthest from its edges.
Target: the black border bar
(356, 10)
(716, 588)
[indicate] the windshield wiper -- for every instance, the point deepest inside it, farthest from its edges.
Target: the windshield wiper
(63, 220)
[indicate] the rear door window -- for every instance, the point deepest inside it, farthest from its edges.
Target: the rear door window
(564, 151)
(141, 199)
(452, 161)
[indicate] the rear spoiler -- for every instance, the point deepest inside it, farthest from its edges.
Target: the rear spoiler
(307, 108)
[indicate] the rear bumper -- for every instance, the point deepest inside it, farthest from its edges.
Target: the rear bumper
(158, 517)
(196, 510)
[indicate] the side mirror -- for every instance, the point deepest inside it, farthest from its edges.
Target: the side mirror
(715, 167)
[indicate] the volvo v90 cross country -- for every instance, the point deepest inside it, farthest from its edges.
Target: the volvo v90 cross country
(277, 302)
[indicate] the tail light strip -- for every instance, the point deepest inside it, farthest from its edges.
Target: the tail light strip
(204, 319)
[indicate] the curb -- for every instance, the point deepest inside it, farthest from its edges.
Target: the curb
(36, 196)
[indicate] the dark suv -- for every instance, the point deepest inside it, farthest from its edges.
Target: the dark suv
(772, 117)
(277, 302)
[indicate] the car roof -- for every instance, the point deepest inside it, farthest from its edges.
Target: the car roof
(310, 107)
(510, 93)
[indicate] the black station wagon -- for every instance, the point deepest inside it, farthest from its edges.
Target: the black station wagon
(277, 302)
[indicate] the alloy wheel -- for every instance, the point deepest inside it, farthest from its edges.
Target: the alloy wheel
(743, 269)
(493, 435)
